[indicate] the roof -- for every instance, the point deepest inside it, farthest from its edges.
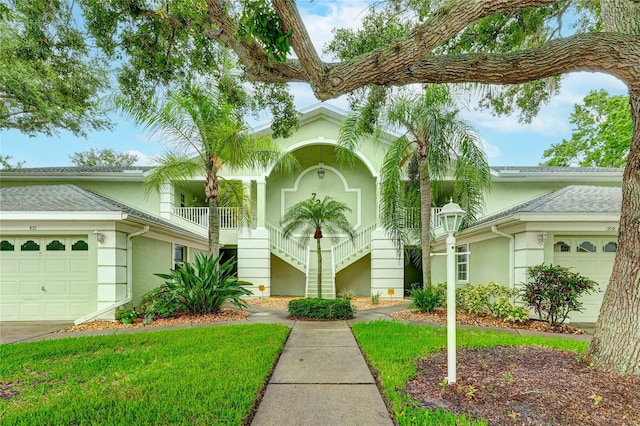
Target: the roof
(70, 198)
(570, 199)
(555, 169)
(81, 169)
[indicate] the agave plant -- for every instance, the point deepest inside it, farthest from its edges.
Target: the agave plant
(203, 286)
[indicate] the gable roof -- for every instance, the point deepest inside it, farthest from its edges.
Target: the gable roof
(70, 198)
(570, 199)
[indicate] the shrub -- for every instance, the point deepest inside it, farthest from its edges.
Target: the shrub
(159, 303)
(493, 299)
(203, 286)
(428, 298)
(346, 294)
(321, 308)
(553, 292)
(126, 315)
(375, 298)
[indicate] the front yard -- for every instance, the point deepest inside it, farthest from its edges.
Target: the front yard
(202, 376)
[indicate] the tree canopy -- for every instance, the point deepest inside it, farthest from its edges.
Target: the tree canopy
(103, 158)
(601, 136)
(48, 80)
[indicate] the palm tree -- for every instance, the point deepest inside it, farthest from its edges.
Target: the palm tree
(314, 216)
(208, 134)
(436, 141)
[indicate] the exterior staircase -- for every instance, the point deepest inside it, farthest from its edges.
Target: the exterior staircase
(334, 259)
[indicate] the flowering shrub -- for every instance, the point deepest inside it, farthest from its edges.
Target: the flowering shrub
(553, 292)
(493, 299)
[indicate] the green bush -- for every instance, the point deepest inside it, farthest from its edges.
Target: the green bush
(203, 286)
(493, 299)
(321, 308)
(159, 303)
(123, 314)
(428, 298)
(553, 292)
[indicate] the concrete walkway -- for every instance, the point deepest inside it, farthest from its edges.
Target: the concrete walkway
(321, 378)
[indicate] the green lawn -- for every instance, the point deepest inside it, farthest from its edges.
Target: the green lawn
(392, 349)
(201, 376)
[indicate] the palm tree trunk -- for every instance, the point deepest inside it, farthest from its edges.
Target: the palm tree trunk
(319, 269)
(214, 228)
(425, 218)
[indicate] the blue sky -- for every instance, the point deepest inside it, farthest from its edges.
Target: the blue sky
(506, 141)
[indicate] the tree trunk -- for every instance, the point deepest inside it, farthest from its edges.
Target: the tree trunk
(214, 228)
(425, 218)
(616, 343)
(319, 269)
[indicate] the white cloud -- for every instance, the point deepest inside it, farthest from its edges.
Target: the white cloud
(492, 151)
(143, 159)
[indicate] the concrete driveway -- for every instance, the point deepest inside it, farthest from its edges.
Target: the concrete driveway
(24, 331)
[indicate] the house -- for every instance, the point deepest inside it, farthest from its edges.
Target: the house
(77, 242)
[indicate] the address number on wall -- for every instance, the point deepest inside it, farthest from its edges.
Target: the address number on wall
(33, 227)
(611, 228)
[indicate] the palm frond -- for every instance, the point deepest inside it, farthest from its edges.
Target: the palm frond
(171, 167)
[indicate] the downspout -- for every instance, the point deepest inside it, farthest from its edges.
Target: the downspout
(129, 295)
(512, 254)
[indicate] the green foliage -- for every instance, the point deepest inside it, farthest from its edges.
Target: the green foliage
(602, 133)
(493, 299)
(375, 298)
(428, 298)
(330, 309)
(554, 291)
(48, 80)
(159, 303)
(5, 163)
(395, 359)
(105, 157)
(260, 21)
(126, 314)
(203, 286)
(143, 378)
(346, 294)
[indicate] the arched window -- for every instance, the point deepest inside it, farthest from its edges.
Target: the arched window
(586, 247)
(6, 246)
(610, 247)
(561, 247)
(55, 245)
(30, 246)
(80, 245)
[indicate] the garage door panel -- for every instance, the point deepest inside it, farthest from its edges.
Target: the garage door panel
(64, 275)
(55, 266)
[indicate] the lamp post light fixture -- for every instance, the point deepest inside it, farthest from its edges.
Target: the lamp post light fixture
(451, 217)
(321, 171)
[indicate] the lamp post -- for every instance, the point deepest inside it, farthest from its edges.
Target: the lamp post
(451, 217)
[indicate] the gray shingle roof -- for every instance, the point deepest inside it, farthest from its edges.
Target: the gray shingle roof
(70, 198)
(550, 169)
(571, 199)
(101, 169)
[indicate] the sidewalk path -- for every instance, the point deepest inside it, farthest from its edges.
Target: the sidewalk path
(321, 378)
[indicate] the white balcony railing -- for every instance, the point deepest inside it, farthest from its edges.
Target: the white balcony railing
(346, 248)
(229, 216)
(412, 217)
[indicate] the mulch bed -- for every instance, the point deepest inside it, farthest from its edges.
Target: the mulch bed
(527, 386)
(439, 316)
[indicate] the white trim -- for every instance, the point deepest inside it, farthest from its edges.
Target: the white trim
(58, 215)
(345, 184)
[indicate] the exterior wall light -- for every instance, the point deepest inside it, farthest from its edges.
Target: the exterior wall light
(99, 237)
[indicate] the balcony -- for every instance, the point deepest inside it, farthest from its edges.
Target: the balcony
(229, 216)
(412, 218)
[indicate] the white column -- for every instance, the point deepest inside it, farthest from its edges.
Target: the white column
(261, 203)
(254, 260)
(387, 267)
(166, 200)
(112, 269)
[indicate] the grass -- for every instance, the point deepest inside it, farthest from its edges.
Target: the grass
(392, 349)
(201, 376)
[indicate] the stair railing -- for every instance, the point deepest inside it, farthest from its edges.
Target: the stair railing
(346, 248)
(286, 245)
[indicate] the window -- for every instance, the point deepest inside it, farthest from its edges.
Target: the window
(182, 200)
(179, 254)
(6, 246)
(80, 245)
(55, 245)
(561, 247)
(30, 246)
(610, 247)
(462, 262)
(586, 247)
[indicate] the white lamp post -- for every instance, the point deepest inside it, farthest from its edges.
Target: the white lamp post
(451, 217)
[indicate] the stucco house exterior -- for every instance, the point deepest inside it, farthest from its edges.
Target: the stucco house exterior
(77, 242)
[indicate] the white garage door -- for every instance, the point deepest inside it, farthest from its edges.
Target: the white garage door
(592, 257)
(44, 278)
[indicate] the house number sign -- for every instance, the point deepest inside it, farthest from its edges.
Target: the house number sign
(33, 227)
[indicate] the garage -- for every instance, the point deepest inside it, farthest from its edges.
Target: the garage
(592, 257)
(45, 278)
